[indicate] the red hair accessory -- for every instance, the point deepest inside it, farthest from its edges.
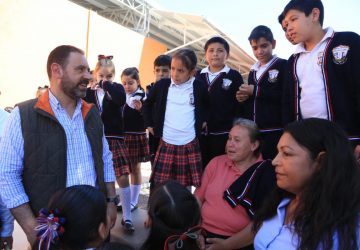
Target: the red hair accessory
(104, 57)
(192, 233)
(50, 227)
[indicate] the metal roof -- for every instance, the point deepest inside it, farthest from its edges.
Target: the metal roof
(174, 30)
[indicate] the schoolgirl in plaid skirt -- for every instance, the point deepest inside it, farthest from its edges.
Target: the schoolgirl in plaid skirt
(175, 111)
(109, 97)
(136, 140)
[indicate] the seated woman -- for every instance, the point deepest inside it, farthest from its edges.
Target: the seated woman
(174, 216)
(234, 185)
(316, 203)
(75, 219)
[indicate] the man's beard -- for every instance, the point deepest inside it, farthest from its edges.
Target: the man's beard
(74, 91)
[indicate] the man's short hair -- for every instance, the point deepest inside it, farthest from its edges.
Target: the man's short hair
(162, 60)
(60, 56)
(217, 39)
(305, 6)
(261, 31)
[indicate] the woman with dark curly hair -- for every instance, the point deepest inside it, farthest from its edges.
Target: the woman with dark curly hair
(317, 201)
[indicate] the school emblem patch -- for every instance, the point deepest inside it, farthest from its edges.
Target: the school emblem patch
(191, 99)
(226, 83)
(320, 58)
(273, 75)
(340, 54)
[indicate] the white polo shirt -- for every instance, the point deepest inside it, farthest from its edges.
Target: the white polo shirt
(313, 102)
(179, 123)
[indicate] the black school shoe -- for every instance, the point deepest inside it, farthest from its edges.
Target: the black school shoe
(128, 226)
(133, 207)
(119, 207)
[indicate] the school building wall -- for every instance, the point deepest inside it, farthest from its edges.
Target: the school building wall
(150, 51)
(29, 30)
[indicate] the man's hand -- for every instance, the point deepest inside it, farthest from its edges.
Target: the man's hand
(26, 219)
(111, 213)
(6, 243)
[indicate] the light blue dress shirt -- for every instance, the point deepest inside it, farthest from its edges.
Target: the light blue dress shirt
(274, 235)
(80, 164)
(6, 218)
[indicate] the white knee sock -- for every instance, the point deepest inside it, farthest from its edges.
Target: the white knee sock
(135, 191)
(125, 197)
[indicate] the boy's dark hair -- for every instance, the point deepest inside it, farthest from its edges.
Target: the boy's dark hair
(162, 60)
(217, 39)
(188, 58)
(60, 56)
(261, 31)
(305, 6)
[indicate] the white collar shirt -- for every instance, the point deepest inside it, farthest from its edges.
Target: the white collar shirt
(212, 75)
(179, 122)
(313, 102)
(261, 69)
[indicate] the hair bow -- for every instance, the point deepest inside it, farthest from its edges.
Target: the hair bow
(104, 57)
(50, 227)
(192, 233)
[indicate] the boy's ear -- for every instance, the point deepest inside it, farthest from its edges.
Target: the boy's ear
(315, 15)
(273, 44)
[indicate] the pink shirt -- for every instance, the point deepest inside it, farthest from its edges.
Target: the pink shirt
(217, 215)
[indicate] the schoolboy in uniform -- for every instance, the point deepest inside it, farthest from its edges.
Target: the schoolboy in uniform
(264, 88)
(323, 80)
(162, 66)
(222, 82)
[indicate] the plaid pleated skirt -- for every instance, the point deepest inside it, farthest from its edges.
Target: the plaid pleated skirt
(181, 163)
(119, 151)
(137, 148)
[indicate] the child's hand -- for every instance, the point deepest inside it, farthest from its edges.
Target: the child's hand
(151, 130)
(246, 89)
(244, 92)
(241, 97)
(137, 105)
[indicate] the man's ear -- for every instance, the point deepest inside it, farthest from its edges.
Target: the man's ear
(56, 70)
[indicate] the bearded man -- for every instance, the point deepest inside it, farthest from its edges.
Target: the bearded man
(54, 142)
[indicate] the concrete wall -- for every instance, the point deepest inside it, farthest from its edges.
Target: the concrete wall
(29, 30)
